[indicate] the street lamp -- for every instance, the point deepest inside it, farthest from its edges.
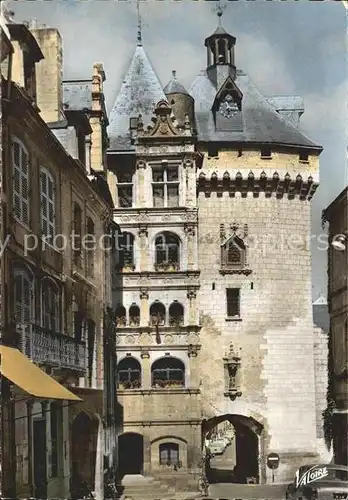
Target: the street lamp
(339, 242)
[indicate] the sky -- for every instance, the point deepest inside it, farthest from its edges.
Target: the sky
(287, 48)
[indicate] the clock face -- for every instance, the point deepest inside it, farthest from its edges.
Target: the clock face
(228, 107)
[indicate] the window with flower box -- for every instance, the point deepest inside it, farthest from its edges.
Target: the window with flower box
(168, 373)
(167, 252)
(128, 374)
(176, 314)
(157, 314)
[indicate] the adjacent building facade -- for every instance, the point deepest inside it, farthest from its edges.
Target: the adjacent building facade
(56, 295)
(212, 190)
(336, 214)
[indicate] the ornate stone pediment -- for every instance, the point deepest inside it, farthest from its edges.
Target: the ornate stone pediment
(163, 123)
(233, 230)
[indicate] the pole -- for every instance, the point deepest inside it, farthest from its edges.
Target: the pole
(272, 475)
(1, 430)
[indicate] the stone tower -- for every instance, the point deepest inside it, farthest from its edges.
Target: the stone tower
(253, 197)
(214, 310)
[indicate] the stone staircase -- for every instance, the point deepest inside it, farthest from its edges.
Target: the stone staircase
(138, 487)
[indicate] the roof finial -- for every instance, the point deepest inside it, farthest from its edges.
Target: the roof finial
(219, 10)
(174, 73)
(139, 23)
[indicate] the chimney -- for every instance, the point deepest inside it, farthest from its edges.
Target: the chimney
(49, 73)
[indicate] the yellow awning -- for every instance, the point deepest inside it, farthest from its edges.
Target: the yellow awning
(25, 374)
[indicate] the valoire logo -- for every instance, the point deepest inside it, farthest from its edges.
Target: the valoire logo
(311, 475)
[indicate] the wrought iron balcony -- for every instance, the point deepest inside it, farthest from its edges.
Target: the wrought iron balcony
(52, 349)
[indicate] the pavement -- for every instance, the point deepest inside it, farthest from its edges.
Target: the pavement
(224, 463)
(222, 491)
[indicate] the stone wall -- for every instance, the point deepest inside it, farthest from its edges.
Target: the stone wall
(275, 328)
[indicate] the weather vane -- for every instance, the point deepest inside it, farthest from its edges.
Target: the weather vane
(139, 23)
(219, 9)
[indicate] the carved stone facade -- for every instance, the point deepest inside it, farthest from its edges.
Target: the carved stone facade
(220, 274)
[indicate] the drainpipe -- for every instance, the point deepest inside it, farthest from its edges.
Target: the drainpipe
(30, 465)
(99, 464)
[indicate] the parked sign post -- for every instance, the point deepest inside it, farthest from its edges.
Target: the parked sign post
(273, 463)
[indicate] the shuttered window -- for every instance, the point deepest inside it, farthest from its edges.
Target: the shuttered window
(23, 297)
(20, 182)
(169, 454)
(233, 302)
(48, 212)
(50, 306)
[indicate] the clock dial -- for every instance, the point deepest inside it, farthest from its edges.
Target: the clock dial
(228, 107)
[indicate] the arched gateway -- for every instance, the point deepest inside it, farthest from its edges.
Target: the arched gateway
(239, 461)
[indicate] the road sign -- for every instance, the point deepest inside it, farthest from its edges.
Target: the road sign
(273, 461)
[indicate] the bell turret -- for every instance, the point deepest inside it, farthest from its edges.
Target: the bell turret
(220, 55)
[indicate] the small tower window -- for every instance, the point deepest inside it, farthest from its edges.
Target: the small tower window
(304, 158)
(233, 302)
(213, 151)
(266, 153)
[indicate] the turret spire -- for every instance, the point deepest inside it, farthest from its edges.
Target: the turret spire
(139, 24)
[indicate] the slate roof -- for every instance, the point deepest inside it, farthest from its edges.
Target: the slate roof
(140, 92)
(321, 317)
(260, 121)
(174, 86)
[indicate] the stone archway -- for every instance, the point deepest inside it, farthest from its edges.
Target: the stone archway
(239, 461)
(84, 437)
(130, 453)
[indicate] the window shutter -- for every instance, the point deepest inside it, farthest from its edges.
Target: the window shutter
(20, 183)
(26, 300)
(47, 195)
(18, 298)
(23, 299)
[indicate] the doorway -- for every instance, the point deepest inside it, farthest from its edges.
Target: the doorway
(40, 464)
(131, 453)
(247, 453)
(84, 449)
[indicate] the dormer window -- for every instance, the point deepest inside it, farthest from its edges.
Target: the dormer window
(228, 107)
(233, 253)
